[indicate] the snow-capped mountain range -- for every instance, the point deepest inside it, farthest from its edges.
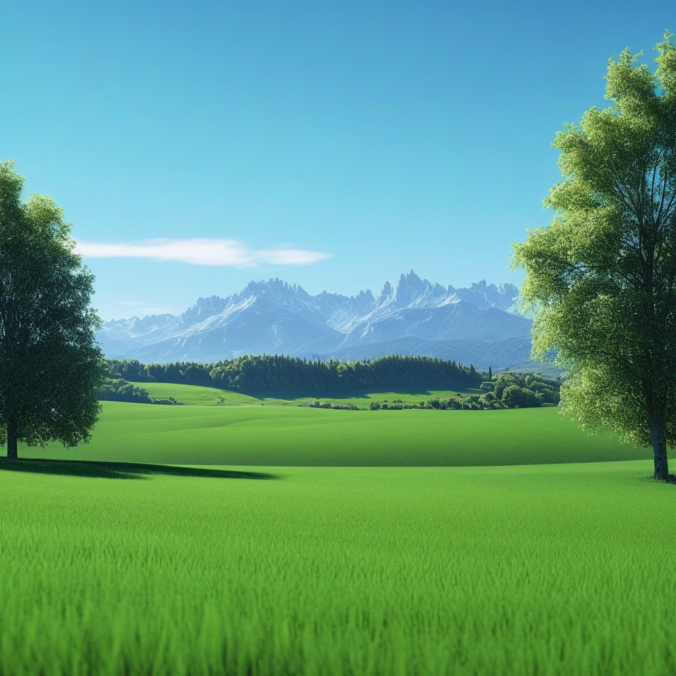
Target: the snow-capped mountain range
(471, 325)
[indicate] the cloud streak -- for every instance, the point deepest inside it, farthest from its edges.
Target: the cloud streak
(197, 251)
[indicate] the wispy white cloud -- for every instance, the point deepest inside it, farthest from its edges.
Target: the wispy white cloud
(198, 251)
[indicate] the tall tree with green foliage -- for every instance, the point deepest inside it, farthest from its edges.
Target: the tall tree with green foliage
(602, 276)
(50, 364)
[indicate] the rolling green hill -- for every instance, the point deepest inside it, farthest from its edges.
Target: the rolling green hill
(275, 435)
(200, 395)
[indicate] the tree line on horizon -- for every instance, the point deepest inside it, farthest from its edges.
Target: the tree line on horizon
(274, 373)
(509, 389)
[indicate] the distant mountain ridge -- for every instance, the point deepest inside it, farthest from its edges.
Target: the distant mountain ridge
(475, 325)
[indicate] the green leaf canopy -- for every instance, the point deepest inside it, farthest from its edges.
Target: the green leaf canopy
(50, 364)
(602, 276)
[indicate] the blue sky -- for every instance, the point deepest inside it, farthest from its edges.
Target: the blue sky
(331, 144)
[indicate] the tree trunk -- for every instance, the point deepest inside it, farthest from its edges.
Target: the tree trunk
(12, 450)
(659, 439)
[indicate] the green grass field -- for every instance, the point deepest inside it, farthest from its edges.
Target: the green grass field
(199, 395)
(279, 540)
(547, 570)
(270, 435)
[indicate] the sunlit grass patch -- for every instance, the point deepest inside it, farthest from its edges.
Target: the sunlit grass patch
(273, 435)
(520, 570)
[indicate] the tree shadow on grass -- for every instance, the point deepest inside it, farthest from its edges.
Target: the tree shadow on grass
(120, 470)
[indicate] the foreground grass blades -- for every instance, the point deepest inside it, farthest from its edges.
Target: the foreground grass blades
(523, 570)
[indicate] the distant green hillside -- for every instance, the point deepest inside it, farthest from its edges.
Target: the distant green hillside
(197, 395)
(200, 395)
(276, 435)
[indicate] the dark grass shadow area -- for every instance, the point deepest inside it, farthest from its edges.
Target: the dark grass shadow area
(361, 393)
(120, 470)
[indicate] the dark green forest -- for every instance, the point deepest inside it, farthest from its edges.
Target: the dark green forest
(276, 373)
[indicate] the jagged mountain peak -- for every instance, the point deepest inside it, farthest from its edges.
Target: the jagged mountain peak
(277, 317)
(276, 288)
(386, 290)
(411, 289)
(203, 308)
(272, 283)
(410, 279)
(208, 301)
(502, 296)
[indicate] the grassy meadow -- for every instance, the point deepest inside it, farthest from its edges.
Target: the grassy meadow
(552, 569)
(207, 395)
(287, 436)
(279, 540)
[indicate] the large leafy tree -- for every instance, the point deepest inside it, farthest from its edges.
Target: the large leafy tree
(50, 364)
(602, 275)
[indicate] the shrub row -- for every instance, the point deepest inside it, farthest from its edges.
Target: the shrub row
(506, 390)
(118, 389)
